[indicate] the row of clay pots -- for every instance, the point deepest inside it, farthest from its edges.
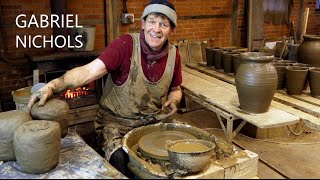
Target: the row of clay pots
(295, 77)
(226, 59)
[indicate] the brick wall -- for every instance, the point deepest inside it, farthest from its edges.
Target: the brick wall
(197, 20)
(313, 26)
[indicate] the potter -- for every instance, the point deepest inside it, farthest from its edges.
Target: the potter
(144, 78)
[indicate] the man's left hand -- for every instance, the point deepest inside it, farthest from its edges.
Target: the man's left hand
(170, 109)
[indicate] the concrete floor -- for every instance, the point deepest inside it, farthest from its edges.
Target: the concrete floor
(280, 158)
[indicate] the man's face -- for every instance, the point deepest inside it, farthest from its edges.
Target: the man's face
(156, 30)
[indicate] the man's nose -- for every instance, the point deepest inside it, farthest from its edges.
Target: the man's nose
(157, 27)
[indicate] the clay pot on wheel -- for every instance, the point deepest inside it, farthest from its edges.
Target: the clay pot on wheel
(309, 50)
(256, 81)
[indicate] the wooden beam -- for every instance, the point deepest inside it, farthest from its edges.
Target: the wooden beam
(113, 20)
(300, 19)
(234, 22)
(255, 23)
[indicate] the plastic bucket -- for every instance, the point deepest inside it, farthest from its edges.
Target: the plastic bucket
(88, 33)
(21, 97)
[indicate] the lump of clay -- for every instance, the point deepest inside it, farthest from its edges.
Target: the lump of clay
(53, 110)
(9, 122)
(37, 146)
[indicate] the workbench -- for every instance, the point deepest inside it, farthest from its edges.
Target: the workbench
(223, 100)
(77, 161)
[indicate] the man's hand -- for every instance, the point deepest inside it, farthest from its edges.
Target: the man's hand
(42, 95)
(170, 109)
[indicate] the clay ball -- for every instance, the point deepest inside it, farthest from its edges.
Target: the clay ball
(9, 122)
(53, 110)
(37, 146)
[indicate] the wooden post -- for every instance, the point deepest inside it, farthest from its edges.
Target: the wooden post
(35, 76)
(255, 23)
(234, 22)
(299, 31)
(113, 20)
(305, 22)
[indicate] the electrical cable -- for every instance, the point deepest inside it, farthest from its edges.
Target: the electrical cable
(124, 3)
(302, 129)
(269, 141)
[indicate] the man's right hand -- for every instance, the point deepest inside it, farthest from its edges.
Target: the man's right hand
(42, 95)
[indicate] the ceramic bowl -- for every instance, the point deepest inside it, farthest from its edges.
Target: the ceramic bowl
(190, 155)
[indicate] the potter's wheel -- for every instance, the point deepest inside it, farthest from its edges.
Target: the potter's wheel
(153, 144)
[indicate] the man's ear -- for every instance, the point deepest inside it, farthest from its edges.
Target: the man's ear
(173, 30)
(143, 24)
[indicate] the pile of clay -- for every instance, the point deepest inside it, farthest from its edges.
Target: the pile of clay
(53, 110)
(33, 139)
(37, 146)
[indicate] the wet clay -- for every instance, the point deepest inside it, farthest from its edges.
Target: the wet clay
(53, 110)
(9, 122)
(37, 146)
(188, 147)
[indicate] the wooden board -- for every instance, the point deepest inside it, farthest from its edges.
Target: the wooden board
(183, 50)
(304, 106)
(194, 52)
(227, 100)
(296, 158)
(310, 121)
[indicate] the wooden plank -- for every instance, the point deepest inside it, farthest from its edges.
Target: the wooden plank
(310, 121)
(305, 21)
(227, 100)
(286, 99)
(301, 105)
(183, 50)
(194, 52)
(255, 24)
(306, 97)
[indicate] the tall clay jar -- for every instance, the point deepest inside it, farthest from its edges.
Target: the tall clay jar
(309, 50)
(256, 81)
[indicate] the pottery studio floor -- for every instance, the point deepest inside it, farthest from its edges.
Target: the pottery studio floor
(289, 156)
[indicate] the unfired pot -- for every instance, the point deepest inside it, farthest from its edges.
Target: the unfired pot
(309, 50)
(256, 81)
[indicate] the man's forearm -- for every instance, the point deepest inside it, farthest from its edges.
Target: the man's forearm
(71, 79)
(175, 95)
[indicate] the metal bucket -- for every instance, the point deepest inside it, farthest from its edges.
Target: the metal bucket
(21, 97)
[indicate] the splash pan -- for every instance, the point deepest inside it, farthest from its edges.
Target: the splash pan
(155, 169)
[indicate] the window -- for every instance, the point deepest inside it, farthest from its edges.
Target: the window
(318, 5)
